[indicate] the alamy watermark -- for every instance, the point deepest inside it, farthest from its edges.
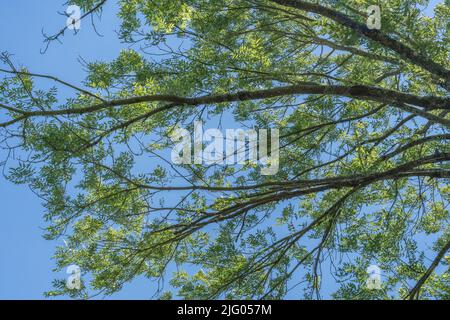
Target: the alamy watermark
(374, 17)
(73, 21)
(373, 282)
(74, 279)
(231, 148)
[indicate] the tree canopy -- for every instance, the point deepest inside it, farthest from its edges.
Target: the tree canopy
(363, 116)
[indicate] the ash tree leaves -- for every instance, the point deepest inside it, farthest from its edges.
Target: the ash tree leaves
(363, 152)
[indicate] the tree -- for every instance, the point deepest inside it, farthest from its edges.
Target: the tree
(363, 179)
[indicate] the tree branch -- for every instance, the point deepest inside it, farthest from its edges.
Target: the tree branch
(401, 49)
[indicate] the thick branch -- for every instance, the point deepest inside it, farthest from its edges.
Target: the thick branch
(414, 291)
(358, 92)
(386, 41)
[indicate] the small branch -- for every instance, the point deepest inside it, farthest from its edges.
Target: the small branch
(49, 39)
(414, 293)
(54, 79)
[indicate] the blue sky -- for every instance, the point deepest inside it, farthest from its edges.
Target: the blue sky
(25, 257)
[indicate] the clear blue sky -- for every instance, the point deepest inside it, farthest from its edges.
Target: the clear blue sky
(25, 257)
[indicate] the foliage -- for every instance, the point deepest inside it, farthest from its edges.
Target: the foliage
(364, 154)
